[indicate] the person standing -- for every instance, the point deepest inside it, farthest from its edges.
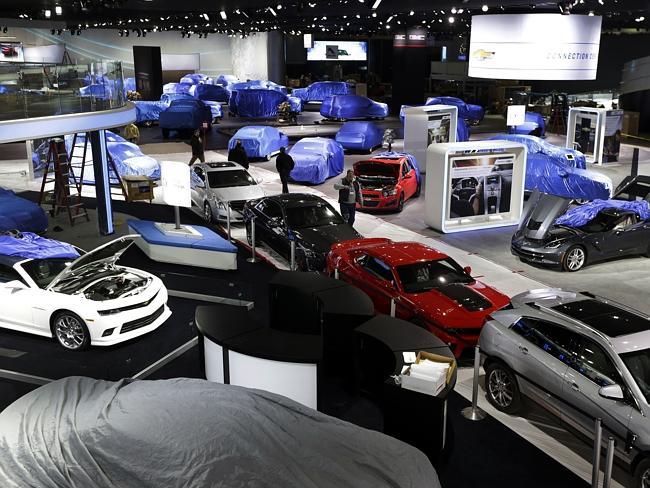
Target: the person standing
(284, 164)
(238, 154)
(197, 147)
(349, 195)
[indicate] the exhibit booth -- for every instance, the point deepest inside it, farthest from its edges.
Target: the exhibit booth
(426, 125)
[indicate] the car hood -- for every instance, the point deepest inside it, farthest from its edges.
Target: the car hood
(236, 193)
(106, 254)
(540, 213)
(321, 238)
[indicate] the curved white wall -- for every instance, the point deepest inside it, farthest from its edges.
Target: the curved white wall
(636, 76)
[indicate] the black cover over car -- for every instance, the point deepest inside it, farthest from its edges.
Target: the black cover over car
(308, 219)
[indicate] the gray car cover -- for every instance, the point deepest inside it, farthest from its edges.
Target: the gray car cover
(85, 433)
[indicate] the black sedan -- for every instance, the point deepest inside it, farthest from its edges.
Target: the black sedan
(308, 219)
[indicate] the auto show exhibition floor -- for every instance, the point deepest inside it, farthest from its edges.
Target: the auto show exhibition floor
(499, 269)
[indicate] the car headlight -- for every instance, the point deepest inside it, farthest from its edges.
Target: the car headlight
(389, 192)
(221, 205)
(554, 244)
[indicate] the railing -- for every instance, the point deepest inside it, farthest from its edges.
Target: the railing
(29, 90)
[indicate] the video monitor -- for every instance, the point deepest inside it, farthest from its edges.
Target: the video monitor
(438, 128)
(338, 51)
(11, 52)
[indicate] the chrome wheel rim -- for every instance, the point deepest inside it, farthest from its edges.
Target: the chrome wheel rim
(207, 213)
(575, 259)
(500, 387)
(645, 479)
(69, 332)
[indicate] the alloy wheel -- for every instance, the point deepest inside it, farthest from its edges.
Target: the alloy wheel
(645, 479)
(207, 212)
(500, 388)
(70, 332)
(575, 259)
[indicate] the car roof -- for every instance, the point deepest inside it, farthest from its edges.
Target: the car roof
(296, 199)
(401, 253)
(220, 166)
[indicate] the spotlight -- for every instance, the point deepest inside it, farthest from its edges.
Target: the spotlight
(223, 15)
(376, 4)
(48, 13)
(453, 10)
(451, 19)
(58, 10)
(485, 8)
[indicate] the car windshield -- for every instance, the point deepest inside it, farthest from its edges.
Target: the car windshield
(312, 216)
(602, 222)
(43, 271)
(427, 275)
(638, 364)
(377, 171)
(225, 179)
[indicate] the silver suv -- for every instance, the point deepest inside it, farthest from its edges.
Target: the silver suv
(579, 356)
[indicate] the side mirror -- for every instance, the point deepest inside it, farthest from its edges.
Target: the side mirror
(612, 392)
(408, 176)
(468, 270)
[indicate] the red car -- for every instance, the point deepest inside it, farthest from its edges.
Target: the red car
(429, 288)
(387, 182)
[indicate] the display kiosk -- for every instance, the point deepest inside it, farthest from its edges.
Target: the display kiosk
(474, 185)
(427, 125)
(586, 132)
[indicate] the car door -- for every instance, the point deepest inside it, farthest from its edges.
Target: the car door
(541, 357)
(276, 228)
(17, 299)
(592, 369)
(409, 181)
(267, 210)
(628, 236)
(375, 278)
(199, 189)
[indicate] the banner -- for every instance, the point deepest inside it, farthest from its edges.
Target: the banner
(175, 182)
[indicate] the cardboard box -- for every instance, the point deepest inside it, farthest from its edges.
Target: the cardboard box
(630, 123)
(138, 187)
(424, 386)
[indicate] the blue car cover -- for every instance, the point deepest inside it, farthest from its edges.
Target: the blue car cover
(195, 78)
(215, 109)
(185, 113)
(320, 90)
(226, 80)
(466, 111)
(396, 155)
(259, 141)
(147, 110)
(361, 136)
(462, 130)
(534, 124)
(32, 246)
(213, 93)
(296, 104)
(129, 84)
(177, 88)
(20, 214)
(352, 107)
(256, 103)
(559, 171)
(583, 214)
(317, 159)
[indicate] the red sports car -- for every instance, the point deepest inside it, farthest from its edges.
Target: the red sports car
(429, 288)
(387, 182)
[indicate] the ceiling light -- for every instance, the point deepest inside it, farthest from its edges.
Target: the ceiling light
(411, 12)
(223, 15)
(273, 12)
(48, 14)
(591, 13)
(485, 8)
(58, 10)
(389, 18)
(376, 4)
(451, 19)
(453, 10)
(374, 14)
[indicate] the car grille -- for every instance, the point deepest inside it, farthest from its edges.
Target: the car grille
(128, 307)
(238, 205)
(524, 253)
(142, 322)
(370, 203)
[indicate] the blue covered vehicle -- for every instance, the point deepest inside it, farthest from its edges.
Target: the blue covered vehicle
(259, 141)
(559, 171)
(195, 78)
(468, 111)
(346, 107)
(320, 90)
(317, 159)
(359, 136)
(148, 111)
(256, 103)
(534, 125)
(212, 93)
(177, 88)
(226, 80)
(184, 114)
(17, 213)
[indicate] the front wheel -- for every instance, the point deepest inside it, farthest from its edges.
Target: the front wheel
(207, 213)
(502, 388)
(418, 190)
(574, 259)
(642, 474)
(70, 331)
(400, 204)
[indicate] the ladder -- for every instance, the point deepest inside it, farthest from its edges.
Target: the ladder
(559, 114)
(66, 192)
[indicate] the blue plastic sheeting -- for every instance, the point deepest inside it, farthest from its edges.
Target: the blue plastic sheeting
(296, 104)
(20, 214)
(549, 170)
(352, 107)
(462, 130)
(583, 214)
(361, 136)
(256, 103)
(185, 113)
(259, 141)
(317, 159)
(397, 155)
(177, 88)
(98, 91)
(33, 246)
(320, 90)
(533, 124)
(146, 110)
(195, 78)
(466, 111)
(129, 84)
(226, 80)
(212, 93)
(215, 109)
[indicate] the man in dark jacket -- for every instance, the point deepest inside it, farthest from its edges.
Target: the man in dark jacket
(349, 195)
(284, 164)
(238, 154)
(197, 147)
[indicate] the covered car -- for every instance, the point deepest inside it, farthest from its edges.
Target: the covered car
(295, 103)
(259, 141)
(358, 135)
(149, 110)
(320, 90)
(177, 88)
(226, 80)
(345, 107)
(534, 124)
(256, 102)
(213, 93)
(184, 114)
(316, 159)
(467, 111)
(559, 171)
(129, 84)
(195, 78)
(191, 432)
(17, 213)
(216, 109)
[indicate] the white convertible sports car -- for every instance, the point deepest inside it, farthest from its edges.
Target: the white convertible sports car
(215, 185)
(52, 289)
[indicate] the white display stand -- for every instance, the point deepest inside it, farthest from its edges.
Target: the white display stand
(586, 132)
(427, 125)
(485, 179)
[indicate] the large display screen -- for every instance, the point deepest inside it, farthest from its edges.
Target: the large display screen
(338, 51)
(584, 137)
(480, 185)
(534, 46)
(11, 52)
(438, 128)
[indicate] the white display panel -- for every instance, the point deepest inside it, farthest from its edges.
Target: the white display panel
(586, 132)
(516, 115)
(430, 124)
(179, 62)
(297, 381)
(534, 46)
(213, 358)
(175, 182)
(338, 51)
